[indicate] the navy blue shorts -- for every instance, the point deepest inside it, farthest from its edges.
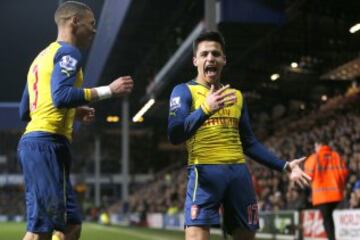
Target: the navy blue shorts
(50, 200)
(228, 185)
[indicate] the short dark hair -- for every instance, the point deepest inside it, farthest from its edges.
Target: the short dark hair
(209, 36)
(69, 9)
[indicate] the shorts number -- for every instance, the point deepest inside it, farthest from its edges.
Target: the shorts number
(35, 88)
(253, 216)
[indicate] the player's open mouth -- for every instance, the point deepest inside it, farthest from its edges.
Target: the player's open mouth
(210, 71)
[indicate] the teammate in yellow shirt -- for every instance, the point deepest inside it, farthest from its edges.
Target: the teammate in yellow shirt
(213, 121)
(52, 99)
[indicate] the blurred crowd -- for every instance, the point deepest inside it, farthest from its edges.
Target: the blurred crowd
(11, 200)
(166, 194)
(339, 122)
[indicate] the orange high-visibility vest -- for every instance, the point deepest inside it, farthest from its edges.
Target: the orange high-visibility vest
(328, 172)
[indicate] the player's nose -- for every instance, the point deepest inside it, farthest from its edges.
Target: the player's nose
(210, 56)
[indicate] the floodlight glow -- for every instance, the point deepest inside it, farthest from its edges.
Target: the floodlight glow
(355, 28)
(275, 77)
(294, 65)
(112, 119)
(138, 116)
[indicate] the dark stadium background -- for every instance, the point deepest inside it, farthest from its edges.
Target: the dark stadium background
(314, 34)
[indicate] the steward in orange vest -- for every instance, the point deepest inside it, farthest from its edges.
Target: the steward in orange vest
(328, 172)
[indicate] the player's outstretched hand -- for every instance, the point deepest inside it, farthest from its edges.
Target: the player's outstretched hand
(297, 174)
(121, 86)
(218, 99)
(85, 114)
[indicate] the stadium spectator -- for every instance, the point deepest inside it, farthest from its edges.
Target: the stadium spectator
(294, 201)
(354, 201)
(328, 172)
(355, 196)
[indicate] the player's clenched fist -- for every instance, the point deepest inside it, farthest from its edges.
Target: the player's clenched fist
(121, 86)
(85, 114)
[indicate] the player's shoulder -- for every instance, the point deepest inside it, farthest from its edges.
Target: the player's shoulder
(238, 92)
(65, 49)
(180, 93)
(181, 88)
(68, 56)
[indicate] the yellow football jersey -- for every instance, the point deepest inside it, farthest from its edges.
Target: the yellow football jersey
(217, 141)
(220, 138)
(45, 115)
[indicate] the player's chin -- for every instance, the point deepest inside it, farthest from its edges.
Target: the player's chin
(211, 79)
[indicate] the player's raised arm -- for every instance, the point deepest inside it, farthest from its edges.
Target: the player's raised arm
(67, 67)
(120, 87)
(64, 91)
(182, 122)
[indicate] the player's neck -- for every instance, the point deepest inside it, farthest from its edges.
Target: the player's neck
(64, 36)
(204, 82)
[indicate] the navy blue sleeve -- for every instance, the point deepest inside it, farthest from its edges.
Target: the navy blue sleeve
(182, 123)
(24, 110)
(67, 63)
(252, 147)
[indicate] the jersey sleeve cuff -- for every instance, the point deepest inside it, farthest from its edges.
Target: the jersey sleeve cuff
(206, 109)
(286, 167)
(87, 94)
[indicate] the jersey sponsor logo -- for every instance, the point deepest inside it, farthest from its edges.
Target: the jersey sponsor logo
(222, 121)
(194, 211)
(68, 64)
(175, 103)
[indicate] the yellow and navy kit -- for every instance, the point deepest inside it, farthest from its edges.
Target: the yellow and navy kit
(53, 90)
(221, 138)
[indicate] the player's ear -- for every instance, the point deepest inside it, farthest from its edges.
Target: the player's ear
(195, 61)
(75, 20)
(225, 61)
